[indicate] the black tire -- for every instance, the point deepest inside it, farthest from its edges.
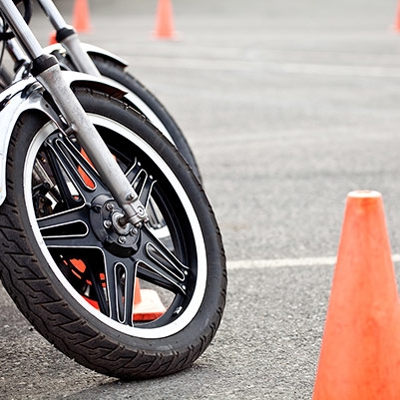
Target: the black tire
(71, 277)
(152, 108)
(166, 122)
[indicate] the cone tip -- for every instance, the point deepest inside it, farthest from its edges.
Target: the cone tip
(364, 194)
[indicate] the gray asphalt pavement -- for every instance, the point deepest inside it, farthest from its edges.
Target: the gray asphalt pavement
(287, 106)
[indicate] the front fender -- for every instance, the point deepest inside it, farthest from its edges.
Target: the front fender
(27, 95)
(91, 50)
(134, 99)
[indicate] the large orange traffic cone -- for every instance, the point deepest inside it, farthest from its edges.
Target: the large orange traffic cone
(164, 21)
(360, 353)
(81, 17)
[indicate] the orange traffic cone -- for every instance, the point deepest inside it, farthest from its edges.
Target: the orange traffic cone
(147, 304)
(360, 353)
(397, 21)
(81, 18)
(137, 298)
(52, 38)
(164, 21)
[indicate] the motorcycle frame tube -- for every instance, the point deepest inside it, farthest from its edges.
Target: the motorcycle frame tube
(50, 76)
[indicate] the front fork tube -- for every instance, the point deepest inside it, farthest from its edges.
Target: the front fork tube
(69, 39)
(80, 58)
(111, 174)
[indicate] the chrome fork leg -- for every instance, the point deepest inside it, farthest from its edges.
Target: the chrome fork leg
(111, 174)
(48, 72)
(69, 39)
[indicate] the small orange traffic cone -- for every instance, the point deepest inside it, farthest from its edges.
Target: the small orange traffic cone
(360, 352)
(52, 38)
(147, 304)
(164, 21)
(81, 17)
(397, 21)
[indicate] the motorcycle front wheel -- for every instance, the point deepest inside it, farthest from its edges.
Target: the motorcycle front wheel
(78, 275)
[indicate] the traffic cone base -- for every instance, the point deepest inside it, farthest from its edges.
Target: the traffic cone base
(147, 303)
(360, 352)
(150, 306)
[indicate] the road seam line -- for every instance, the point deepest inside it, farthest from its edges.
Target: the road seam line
(288, 262)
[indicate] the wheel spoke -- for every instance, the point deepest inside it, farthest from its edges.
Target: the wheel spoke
(75, 166)
(120, 278)
(67, 229)
(141, 181)
(158, 265)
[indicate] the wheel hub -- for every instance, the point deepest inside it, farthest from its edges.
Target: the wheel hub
(105, 215)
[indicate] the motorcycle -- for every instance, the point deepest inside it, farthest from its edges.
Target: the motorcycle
(97, 207)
